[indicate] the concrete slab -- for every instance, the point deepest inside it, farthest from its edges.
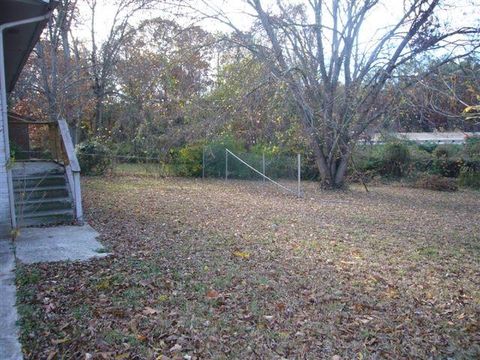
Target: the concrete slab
(60, 243)
(28, 168)
(10, 348)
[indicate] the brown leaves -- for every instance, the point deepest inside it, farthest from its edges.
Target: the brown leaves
(210, 277)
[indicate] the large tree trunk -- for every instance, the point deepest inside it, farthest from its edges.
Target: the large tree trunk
(332, 173)
(340, 172)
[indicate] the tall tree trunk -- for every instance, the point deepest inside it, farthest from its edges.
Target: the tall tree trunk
(48, 88)
(341, 170)
(97, 121)
(68, 74)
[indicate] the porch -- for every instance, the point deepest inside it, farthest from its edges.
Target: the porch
(35, 188)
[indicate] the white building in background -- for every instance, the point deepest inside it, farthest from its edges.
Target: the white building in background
(426, 137)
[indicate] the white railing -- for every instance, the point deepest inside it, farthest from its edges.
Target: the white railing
(72, 169)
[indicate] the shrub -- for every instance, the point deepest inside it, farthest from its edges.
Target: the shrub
(395, 159)
(215, 156)
(436, 182)
(469, 178)
(391, 159)
(189, 160)
(94, 157)
(368, 158)
(447, 161)
(472, 147)
(442, 151)
(428, 147)
(447, 167)
(470, 174)
(448, 150)
(420, 160)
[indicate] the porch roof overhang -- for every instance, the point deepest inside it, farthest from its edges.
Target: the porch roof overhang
(20, 40)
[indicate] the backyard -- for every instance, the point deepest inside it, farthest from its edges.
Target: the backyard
(215, 269)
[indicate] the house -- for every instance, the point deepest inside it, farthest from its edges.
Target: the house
(39, 172)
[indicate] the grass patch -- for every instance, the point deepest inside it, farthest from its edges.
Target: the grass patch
(27, 276)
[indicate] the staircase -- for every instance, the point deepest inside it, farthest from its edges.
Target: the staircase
(42, 195)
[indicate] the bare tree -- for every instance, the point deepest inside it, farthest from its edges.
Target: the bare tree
(438, 100)
(335, 76)
(104, 56)
(54, 61)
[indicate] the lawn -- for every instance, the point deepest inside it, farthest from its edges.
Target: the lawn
(237, 270)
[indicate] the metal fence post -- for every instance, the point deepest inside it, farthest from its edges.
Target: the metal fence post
(263, 165)
(226, 164)
(114, 165)
(299, 174)
(203, 163)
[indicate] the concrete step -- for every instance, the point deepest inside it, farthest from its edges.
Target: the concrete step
(41, 192)
(45, 204)
(36, 168)
(50, 217)
(35, 181)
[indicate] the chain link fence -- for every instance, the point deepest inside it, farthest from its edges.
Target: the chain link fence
(208, 163)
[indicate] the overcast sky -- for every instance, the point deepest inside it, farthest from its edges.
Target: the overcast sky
(461, 11)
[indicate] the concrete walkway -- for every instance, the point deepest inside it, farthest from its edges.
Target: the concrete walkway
(61, 243)
(10, 348)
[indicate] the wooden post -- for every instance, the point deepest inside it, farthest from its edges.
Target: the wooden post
(74, 166)
(78, 198)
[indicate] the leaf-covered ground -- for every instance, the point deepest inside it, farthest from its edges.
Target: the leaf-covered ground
(236, 270)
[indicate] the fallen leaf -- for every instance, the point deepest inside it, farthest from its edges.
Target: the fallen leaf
(149, 311)
(122, 356)
(176, 348)
(212, 294)
(59, 341)
(141, 337)
(241, 254)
